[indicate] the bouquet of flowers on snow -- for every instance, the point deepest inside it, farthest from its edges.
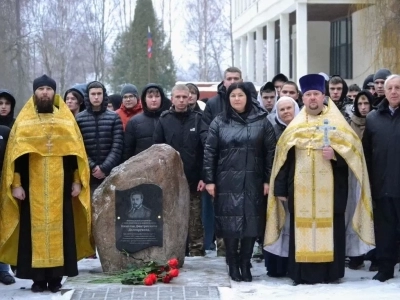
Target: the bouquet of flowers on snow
(152, 273)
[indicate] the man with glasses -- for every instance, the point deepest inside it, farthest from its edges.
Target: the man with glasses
(131, 104)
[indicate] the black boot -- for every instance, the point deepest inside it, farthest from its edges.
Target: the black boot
(232, 256)
(54, 284)
(246, 251)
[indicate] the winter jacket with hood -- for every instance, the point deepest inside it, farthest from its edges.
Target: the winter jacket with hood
(345, 105)
(381, 149)
(180, 130)
(81, 89)
(102, 135)
(140, 129)
(9, 119)
(238, 158)
(357, 122)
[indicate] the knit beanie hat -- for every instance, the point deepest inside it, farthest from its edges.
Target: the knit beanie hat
(44, 80)
(382, 74)
(369, 81)
(129, 89)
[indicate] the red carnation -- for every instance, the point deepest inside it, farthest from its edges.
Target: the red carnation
(173, 263)
(167, 278)
(153, 277)
(174, 272)
(148, 280)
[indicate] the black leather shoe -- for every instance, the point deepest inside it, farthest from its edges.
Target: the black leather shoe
(6, 278)
(383, 276)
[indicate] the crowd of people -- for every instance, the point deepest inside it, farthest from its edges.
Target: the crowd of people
(309, 173)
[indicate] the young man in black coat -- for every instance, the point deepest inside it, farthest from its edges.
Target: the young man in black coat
(140, 129)
(178, 127)
(102, 134)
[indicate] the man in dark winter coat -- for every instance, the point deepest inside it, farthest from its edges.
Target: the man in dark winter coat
(338, 93)
(7, 105)
(379, 81)
(102, 134)
(216, 104)
(381, 150)
(140, 129)
(179, 128)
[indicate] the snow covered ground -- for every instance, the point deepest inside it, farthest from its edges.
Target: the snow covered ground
(357, 285)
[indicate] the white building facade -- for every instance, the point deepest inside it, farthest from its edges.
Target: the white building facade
(298, 37)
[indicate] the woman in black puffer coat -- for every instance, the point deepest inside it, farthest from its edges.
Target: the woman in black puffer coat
(102, 135)
(238, 158)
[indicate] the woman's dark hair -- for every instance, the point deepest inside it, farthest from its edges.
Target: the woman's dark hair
(229, 109)
(76, 94)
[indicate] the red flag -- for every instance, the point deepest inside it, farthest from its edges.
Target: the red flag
(149, 43)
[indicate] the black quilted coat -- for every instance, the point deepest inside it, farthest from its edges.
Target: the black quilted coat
(102, 135)
(238, 158)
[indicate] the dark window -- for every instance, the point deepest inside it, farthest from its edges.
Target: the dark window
(341, 60)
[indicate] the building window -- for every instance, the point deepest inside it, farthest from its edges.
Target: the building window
(341, 60)
(277, 56)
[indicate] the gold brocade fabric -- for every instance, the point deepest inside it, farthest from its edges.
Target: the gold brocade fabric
(46, 139)
(314, 186)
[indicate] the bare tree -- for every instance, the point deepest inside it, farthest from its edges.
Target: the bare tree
(207, 32)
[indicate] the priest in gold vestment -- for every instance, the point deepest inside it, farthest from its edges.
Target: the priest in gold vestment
(45, 213)
(320, 170)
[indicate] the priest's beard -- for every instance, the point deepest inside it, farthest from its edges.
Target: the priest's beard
(44, 105)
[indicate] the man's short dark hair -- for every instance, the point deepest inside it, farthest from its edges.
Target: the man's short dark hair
(354, 88)
(335, 80)
(268, 91)
(233, 70)
(154, 91)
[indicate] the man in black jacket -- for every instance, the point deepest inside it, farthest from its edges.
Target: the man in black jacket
(140, 129)
(102, 134)
(381, 148)
(379, 81)
(178, 127)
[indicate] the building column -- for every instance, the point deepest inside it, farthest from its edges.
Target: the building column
(301, 40)
(243, 54)
(270, 50)
(259, 56)
(237, 53)
(250, 63)
(285, 45)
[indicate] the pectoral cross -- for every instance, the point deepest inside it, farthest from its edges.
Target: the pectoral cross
(326, 128)
(49, 145)
(309, 147)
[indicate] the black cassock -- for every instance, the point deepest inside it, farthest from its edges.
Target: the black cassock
(317, 272)
(24, 268)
